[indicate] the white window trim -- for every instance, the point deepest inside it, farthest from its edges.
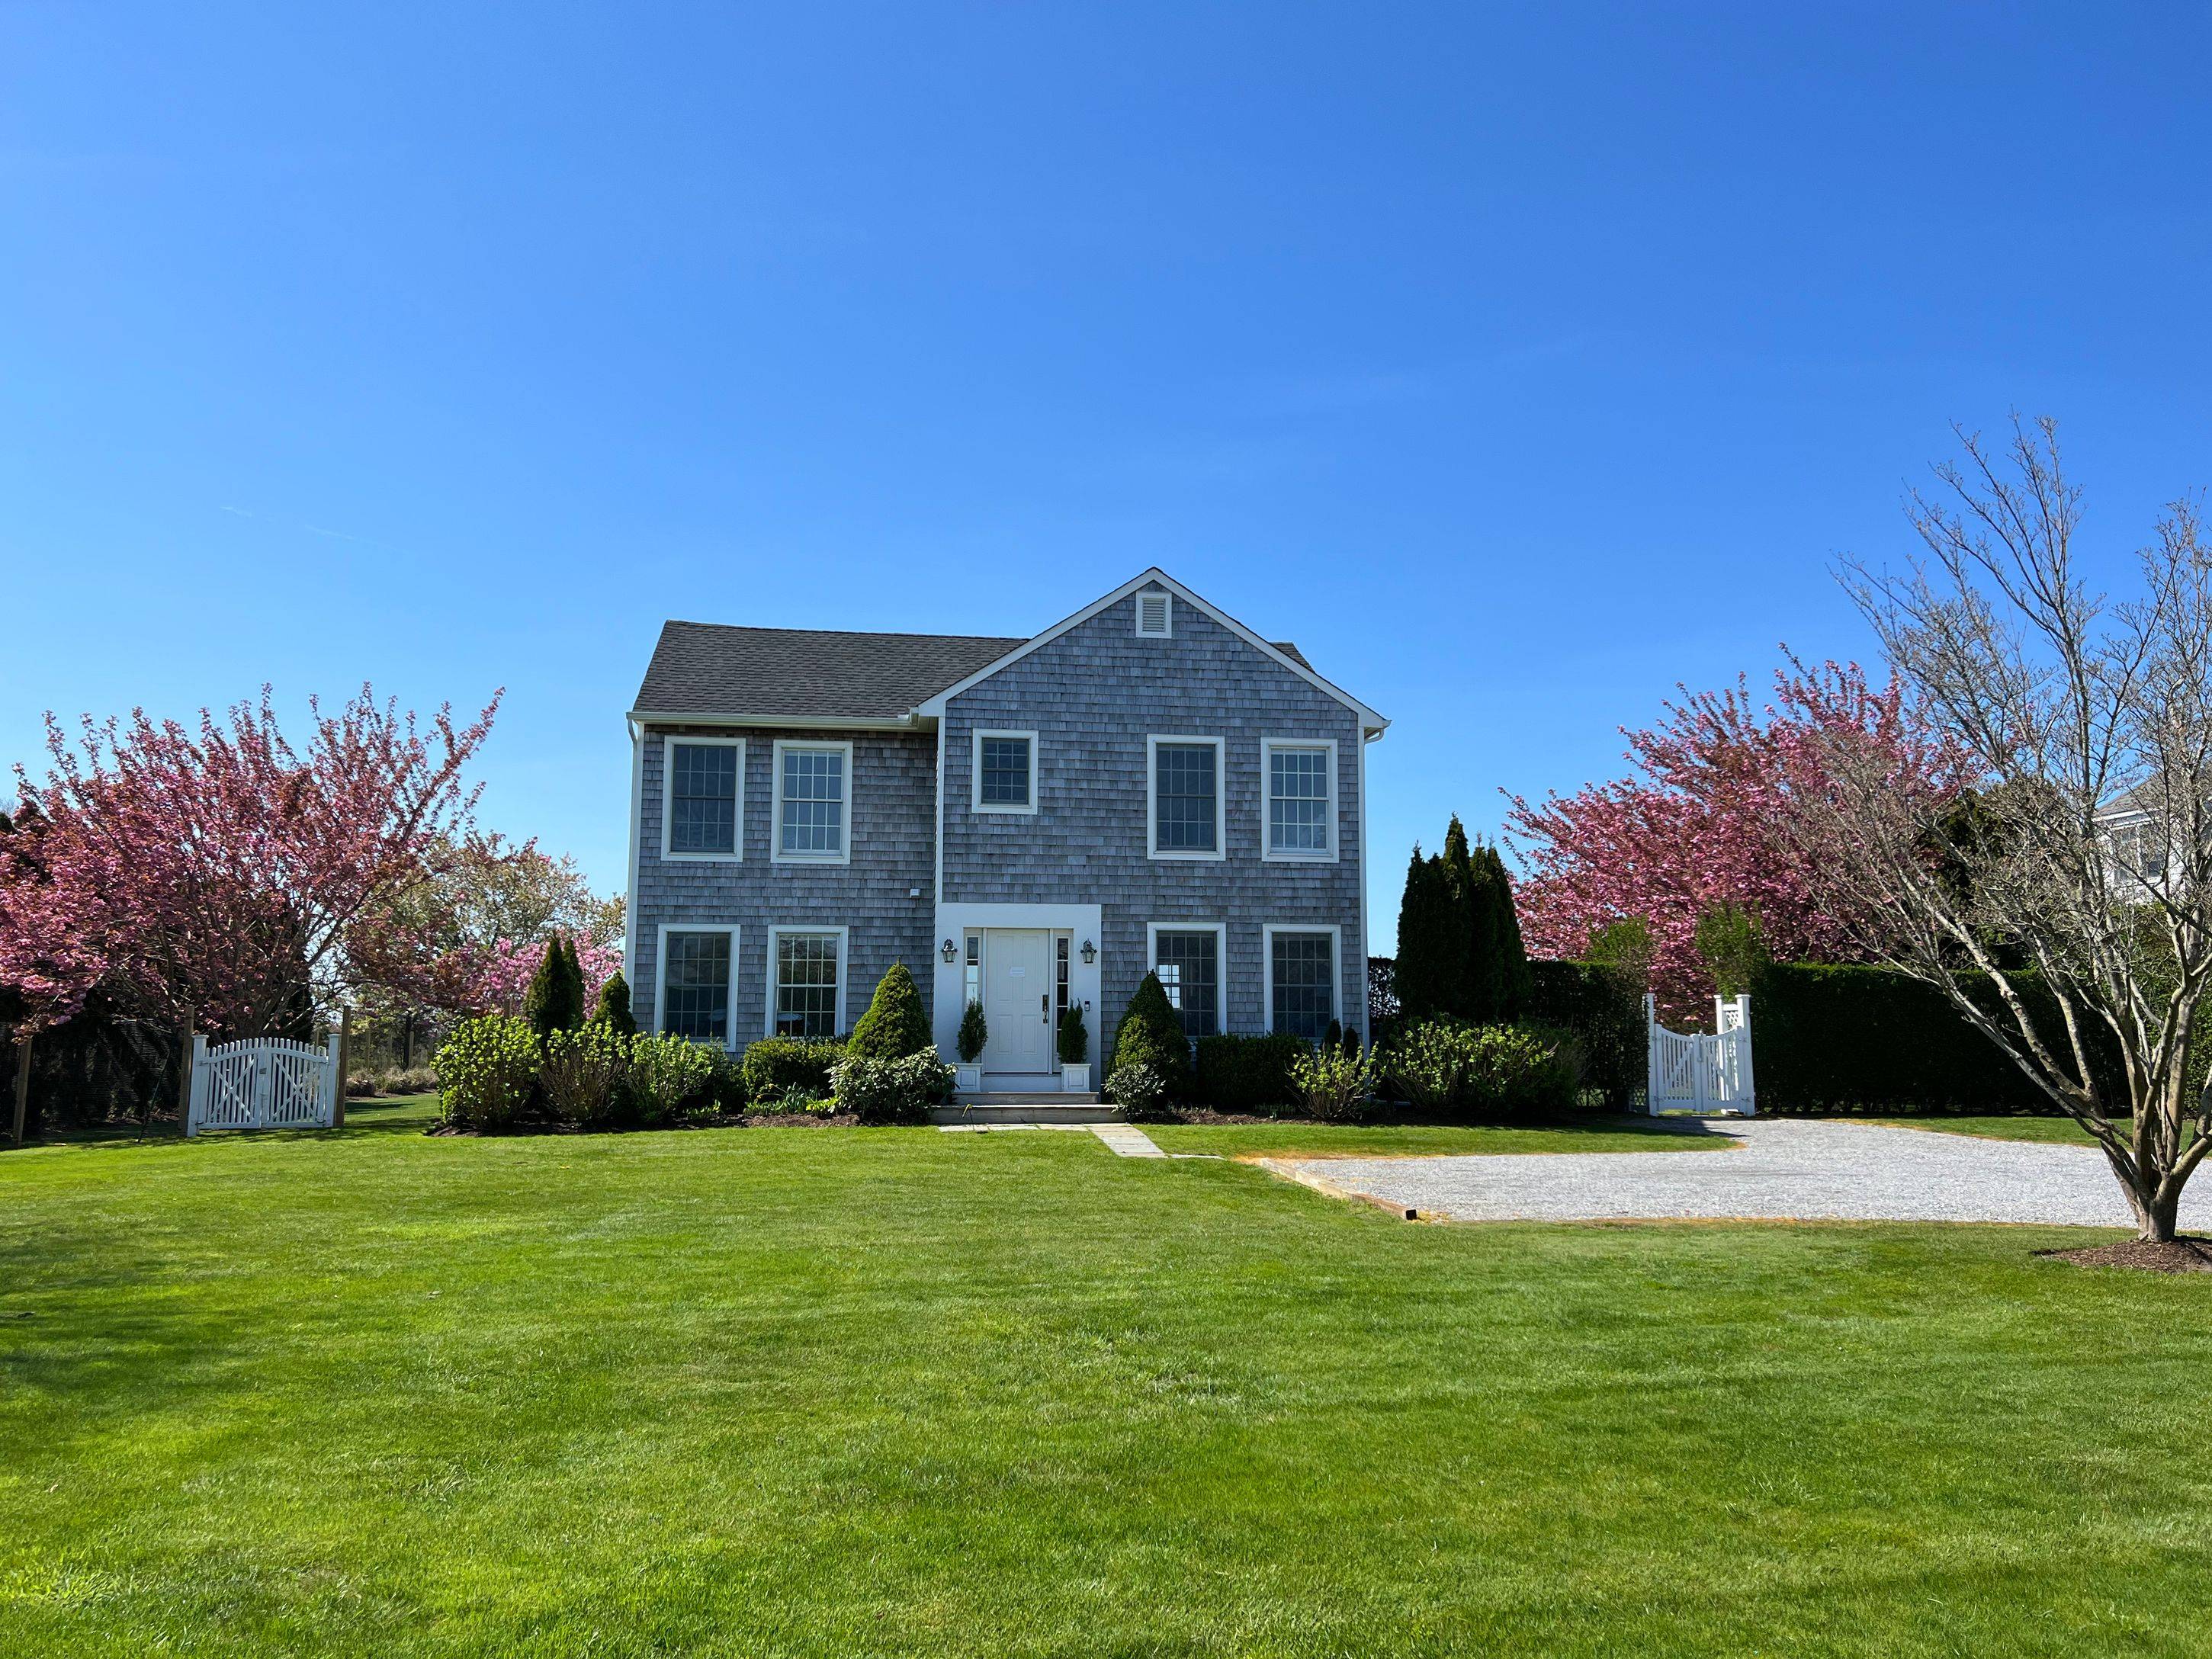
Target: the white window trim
(976, 775)
(737, 852)
(775, 852)
(768, 1022)
(660, 973)
(1268, 852)
(1267, 932)
(1167, 613)
(1220, 931)
(1152, 743)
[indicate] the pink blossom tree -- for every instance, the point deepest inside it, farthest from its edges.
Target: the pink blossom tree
(210, 878)
(1713, 818)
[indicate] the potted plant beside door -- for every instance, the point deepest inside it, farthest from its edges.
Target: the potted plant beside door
(967, 1075)
(1074, 1050)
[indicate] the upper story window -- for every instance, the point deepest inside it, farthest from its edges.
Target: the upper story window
(1185, 804)
(1155, 616)
(813, 783)
(2140, 850)
(696, 978)
(1300, 779)
(702, 798)
(1005, 772)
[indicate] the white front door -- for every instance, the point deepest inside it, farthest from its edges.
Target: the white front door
(1017, 999)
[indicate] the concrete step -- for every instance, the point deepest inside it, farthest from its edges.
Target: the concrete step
(1056, 1108)
(1025, 1097)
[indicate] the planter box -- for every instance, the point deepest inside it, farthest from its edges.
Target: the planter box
(1075, 1079)
(968, 1079)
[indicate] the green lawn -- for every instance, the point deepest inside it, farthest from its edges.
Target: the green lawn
(850, 1392)
(1393, 1139)
(2062, 1130)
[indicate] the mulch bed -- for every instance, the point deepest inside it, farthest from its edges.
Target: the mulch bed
(2182, 1255)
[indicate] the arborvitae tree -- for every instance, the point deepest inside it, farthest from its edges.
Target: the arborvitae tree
(1150, 1034)
(1430, 947)
(555, 1000)
(1516, 981)
(613, 1010)
(975, 1033)
(894, 1026)
(1473, 992)
(1074, 1036)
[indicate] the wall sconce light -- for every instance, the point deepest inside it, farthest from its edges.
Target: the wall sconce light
(1090, 953)
(950, 951)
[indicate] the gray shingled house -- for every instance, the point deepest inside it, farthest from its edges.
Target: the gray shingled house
(1027, 824)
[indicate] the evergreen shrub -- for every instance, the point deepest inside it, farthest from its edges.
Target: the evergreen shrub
(1151, 1035)
(775, 1066)
(1246, 1073)
(894, 1026)
(487, 1073)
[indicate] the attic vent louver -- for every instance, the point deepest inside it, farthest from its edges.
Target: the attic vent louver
(1154, 619)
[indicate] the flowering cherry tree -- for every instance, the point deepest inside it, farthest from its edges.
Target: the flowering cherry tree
(210, 876)
(1712, 819)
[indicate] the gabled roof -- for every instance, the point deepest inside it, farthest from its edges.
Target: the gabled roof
(715, 672)
(712, 670)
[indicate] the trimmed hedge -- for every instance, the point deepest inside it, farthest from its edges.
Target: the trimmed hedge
(1607, 1020)
(773, 1064)
(1837, 1039)
(1248, 1073)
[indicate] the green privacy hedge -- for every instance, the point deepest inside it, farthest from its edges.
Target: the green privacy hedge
(1246, 1073)
(1607, 1020)
(1835, 1039)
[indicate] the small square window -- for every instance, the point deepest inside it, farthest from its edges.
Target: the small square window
(1006, 771)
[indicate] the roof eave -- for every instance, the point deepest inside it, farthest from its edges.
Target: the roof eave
(906, 722)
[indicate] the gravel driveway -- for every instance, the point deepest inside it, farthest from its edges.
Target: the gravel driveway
(1784, 1169)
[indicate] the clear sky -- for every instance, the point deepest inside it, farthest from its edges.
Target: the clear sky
(1518, 363)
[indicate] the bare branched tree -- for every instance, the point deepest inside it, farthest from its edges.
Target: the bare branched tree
(2057, 890)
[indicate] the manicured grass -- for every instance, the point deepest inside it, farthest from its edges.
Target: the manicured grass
(1396, 1139)
(2062, 1130)
(857, 1392)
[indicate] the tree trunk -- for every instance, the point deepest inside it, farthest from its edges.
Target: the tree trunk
(22, 1080)
(2155, 1216)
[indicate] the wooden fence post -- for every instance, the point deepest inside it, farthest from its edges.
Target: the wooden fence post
(345, 1059)
(22, 1078)
(185, 1078)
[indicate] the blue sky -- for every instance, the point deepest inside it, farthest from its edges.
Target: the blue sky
(1516, 363)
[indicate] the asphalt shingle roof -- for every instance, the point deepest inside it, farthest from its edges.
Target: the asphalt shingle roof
(713, 668)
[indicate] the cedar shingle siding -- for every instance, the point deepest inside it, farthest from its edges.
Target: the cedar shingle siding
(1093, 695)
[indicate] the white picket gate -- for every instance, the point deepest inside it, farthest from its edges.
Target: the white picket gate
(1700, 1071)
(265, 1083)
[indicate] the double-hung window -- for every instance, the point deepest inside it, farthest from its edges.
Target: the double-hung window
(1183, 798)
(813, 793)
(702, 798)
(1301, 975)
(1188, 960)
(1005, 772)
(697, 969)
(1299, 778)
(806, 982)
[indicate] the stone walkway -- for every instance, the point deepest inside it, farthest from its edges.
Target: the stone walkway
(1127, 1140)
(1783, 1169)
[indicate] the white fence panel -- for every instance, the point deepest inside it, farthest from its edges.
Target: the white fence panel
(266, 1083)
(1701, 1072)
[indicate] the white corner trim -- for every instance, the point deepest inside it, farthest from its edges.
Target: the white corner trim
(1220, 931)
(737, 852)
(796, 931)
(934, 708)
(937, 891)
(775, 852)
(1366, 1016)
(975, 801)
(636, 837)
(1268, 852)
(1267, 932)
(661, 973)
(1220, 850)
(1166, 630)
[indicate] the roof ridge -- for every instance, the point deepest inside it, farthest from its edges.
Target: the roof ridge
(843, 632)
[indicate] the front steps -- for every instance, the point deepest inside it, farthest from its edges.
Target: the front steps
(1025, 1108)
